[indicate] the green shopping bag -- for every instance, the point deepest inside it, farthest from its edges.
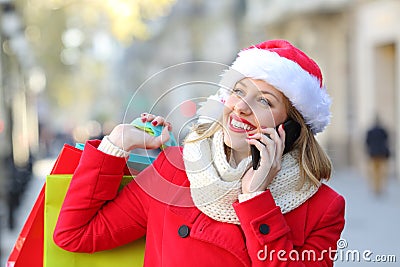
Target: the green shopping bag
(130, 255)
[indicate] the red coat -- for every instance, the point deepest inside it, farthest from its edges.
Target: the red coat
(158, 204)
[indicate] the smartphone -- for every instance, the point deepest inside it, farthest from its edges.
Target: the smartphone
(292, 130)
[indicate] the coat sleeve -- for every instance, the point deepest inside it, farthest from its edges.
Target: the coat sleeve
(94, 215)
(268, 235)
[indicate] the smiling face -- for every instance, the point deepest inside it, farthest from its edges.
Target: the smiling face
(252, 105)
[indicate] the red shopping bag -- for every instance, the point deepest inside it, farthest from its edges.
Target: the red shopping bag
(28, 248)
(67, 160)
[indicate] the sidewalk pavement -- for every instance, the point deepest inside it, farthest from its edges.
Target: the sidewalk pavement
(371, 231)
(372, 222)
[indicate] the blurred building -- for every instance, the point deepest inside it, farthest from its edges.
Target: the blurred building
(183, 59)
(354, 41)
(376, 71)
(18, 109)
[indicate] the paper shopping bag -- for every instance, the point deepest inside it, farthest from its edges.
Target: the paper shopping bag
(131, 255)
(67, 160)
(28, 248)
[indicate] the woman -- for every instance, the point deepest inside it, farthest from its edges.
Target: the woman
(204, 205)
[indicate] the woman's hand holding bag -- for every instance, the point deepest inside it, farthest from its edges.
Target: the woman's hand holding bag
(129, 137)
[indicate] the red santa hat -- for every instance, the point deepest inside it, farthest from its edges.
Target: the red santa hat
(289, 70)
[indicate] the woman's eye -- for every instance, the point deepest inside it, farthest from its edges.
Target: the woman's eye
(238, 92)
(265, 102)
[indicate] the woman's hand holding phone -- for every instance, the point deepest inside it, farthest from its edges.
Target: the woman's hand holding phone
(271, 149)
(129, 137)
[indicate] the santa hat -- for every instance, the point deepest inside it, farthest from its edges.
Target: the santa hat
(289, 70)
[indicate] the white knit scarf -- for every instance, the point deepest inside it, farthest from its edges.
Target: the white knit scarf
(215, 185)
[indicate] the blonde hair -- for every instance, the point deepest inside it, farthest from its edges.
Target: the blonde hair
(313, 160)
(314, 163)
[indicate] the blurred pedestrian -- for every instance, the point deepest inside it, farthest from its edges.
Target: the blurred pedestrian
(204, 204)
(378, 151)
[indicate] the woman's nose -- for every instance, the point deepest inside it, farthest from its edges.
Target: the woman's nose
(242, 106)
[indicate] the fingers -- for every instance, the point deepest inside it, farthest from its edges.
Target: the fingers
(266, 148)
(270, 144)
(282, 133)
(270, 136)
(164, 136)
(279, 138)
(155, 120)
(152, 142)
(147, 117)
(260, 146)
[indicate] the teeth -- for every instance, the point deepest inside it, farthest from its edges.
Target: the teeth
(241, 125)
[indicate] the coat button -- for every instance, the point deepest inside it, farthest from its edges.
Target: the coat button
(264, 229)
(183, 231)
